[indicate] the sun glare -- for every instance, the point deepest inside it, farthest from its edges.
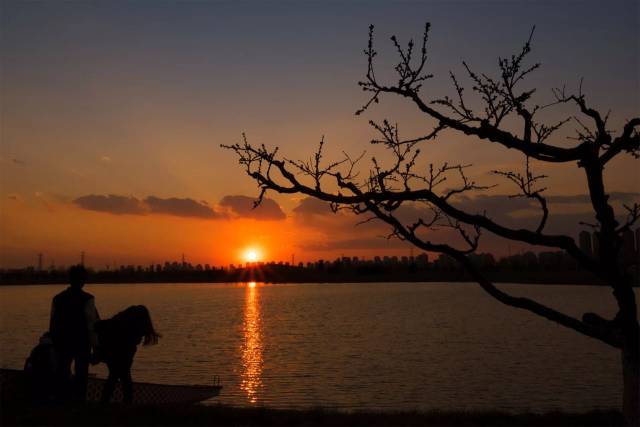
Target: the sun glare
(251, 255)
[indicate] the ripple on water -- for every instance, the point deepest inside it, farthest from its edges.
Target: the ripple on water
(352, 346)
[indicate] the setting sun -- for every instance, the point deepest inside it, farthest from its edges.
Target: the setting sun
(251, 255)
(294, 194)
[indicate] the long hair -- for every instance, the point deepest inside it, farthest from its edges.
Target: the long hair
(138, 319)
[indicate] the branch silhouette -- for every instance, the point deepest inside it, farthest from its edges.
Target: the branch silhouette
(386, 188)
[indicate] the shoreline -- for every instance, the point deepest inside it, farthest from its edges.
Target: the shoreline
(331, 274)
(498, 277)
(344, 282)
(224, 415)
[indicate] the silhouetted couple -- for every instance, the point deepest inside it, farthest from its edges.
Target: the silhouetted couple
(80, 337)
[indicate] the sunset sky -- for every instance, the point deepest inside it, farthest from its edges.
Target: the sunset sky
(112, 116)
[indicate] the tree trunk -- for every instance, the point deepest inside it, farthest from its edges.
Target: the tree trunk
(631, 380)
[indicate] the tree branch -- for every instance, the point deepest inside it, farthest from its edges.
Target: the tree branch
(605, 335)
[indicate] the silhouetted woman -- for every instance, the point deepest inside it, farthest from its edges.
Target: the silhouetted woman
(118, 339)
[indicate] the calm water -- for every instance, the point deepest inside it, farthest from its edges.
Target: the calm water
(352, 346)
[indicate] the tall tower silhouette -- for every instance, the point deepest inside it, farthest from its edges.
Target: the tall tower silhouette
(40, 261)
(82, 258)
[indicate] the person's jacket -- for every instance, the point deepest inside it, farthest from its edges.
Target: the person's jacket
(73, 317)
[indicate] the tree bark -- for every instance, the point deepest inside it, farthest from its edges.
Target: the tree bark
(631, 378)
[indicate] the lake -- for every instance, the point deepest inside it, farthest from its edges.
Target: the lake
(353, 346)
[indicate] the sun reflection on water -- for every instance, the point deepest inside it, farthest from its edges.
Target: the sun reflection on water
(252, 346)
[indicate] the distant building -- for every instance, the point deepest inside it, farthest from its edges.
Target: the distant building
(552, 260)
(445, 262)
(422, 260)
(485, 260)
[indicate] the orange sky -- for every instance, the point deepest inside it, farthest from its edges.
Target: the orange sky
(98, 100)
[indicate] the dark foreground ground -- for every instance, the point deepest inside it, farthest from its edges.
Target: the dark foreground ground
(197, 415)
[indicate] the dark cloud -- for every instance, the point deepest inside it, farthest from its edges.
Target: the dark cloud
(493, 205)
(504, 205)
(121, 205)
(242, 206)
(566, 214)
(312, 206)
(180, 207)
(114, 204)
(515, 211)
(355, 244)
(584, 198)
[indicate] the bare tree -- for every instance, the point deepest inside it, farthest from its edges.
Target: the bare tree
(386, 188)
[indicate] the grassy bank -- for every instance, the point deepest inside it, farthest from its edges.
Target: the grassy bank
(197, 415)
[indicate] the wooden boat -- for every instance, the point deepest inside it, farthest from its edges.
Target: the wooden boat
(14, 386)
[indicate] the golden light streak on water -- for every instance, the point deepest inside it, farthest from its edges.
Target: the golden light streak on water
(252, 346)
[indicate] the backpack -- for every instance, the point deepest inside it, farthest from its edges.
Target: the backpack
(40, 369)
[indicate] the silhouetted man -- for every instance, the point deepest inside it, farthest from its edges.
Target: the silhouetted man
(73, 315)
